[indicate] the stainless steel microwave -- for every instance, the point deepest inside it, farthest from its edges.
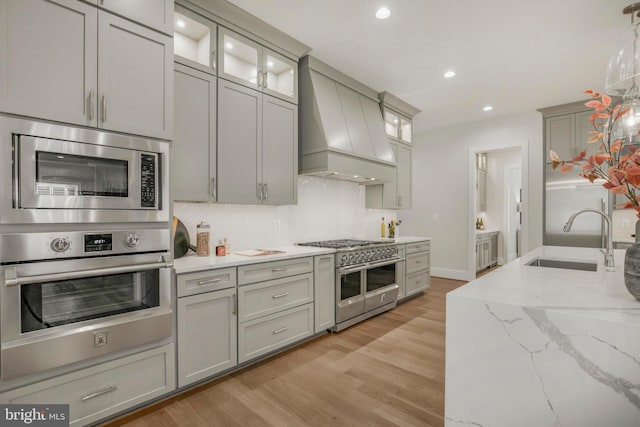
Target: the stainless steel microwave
(52, 174)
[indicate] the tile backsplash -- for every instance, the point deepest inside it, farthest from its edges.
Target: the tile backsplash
(326, 209)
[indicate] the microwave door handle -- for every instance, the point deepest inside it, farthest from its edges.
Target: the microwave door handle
(11, 277)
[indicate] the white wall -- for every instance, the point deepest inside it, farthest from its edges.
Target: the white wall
(441, 186)
(326, 209)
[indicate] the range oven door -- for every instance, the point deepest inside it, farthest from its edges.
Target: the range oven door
(349, 293)
(59, 312)
(55, 174)
(381, 287)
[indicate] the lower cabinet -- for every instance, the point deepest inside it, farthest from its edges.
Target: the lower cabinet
(418, 267)
(324, 295)
(100, 391)
(486, 250)
(206, 335)
(207, 324)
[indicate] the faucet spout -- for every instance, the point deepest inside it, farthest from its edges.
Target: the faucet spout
(608, 250)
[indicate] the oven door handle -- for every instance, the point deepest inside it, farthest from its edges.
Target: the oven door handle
(11, 276)
(369, 265)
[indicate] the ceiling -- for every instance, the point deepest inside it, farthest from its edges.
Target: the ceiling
(516, 56)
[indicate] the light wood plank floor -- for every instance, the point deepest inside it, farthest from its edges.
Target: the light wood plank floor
(386, 371)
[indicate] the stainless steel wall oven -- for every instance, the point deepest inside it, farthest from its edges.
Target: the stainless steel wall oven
(71, 296)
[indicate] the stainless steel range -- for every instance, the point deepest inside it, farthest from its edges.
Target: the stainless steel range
(365, 278)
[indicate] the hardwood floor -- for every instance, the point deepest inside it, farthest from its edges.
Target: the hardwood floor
(386, 371)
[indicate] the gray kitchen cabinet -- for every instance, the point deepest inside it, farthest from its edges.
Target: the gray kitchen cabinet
(193, 151)
(401, 272)
(486, 250)
(396, 194)
(567, 135)
(207, 324)
(100, 391)
(481, 182)
(257, 147)
(124, 85)
(195, 40)
(156, 14)
(418, 267)
(246, 62)
(324, 282)
(275, 305)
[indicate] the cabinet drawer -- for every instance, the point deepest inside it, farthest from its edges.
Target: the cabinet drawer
(103, 390)
(261, 299)
(267, 334)
(417, 262)
(418, 247)
(417, 282)
(206, 281)
(274, 270)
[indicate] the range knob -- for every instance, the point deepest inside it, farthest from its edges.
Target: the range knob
(131, 241)
(344, 258)
(60, 244)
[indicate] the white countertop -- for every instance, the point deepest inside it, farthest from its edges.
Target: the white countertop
(486, 231)
(519, 284)
(554, 347)
(192, 262)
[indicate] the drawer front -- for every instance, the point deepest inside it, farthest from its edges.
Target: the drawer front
(417, 282)
(274, 270)
(103, 390)
(206, 281)
(267, 334)
(417, 262)
(418, 247)
(261, 299)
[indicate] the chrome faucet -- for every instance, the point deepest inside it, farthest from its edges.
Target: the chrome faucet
(608, 252)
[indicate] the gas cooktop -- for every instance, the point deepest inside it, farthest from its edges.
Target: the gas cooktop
(345, 243)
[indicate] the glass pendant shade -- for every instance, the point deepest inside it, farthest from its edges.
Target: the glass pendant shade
(627, 127)
(623, 72)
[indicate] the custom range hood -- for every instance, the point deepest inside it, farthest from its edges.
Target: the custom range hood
(342, 132)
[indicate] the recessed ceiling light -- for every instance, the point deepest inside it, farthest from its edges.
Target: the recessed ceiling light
(383, 13)
(487, 108)
(449, 74)
(228, 45)
(180, 23)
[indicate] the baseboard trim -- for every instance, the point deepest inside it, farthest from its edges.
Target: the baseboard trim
(452, 274)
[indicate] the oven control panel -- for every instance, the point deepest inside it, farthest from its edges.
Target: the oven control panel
(363, 256)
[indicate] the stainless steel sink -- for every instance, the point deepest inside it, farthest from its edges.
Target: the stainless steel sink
(558, 263)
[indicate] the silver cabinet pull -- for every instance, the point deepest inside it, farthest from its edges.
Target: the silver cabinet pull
(266, 192)
(281, 295)
(213, 190)
(99, 393)
(260, 78)
(278, 269)
(92, 107)
(233, 304)
(205, 282)
(265, 83)
(104, 108)
(259, 191)
(277, 331)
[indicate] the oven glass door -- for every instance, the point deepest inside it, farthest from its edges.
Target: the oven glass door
(380, 277)
(350, 285)
(57, 303)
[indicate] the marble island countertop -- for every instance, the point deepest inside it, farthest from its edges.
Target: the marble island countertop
(533, 346)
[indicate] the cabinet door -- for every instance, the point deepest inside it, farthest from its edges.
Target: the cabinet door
(390, 189)
(401, 272)
(207, 335)
(135, 86)
(403, 172)
(324, 279)
(583, 129)
(193, 152)
(48, 54)
(194, 40)
(279, 151)
(239, 143)
(478, 256)
(157, 14)
(560, 136)
(280, 76)
(239, 59)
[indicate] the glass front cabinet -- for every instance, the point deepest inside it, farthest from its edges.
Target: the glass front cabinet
(194, 40)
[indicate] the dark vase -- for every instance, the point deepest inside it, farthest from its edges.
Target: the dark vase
(632, 270)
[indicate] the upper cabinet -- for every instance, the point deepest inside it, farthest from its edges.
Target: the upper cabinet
(566, 131)
(124, 85)
(156, 14)
(194, 40)
(246, 62)
(397, 126)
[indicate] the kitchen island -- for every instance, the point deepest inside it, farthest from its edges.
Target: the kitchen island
(538, 346)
